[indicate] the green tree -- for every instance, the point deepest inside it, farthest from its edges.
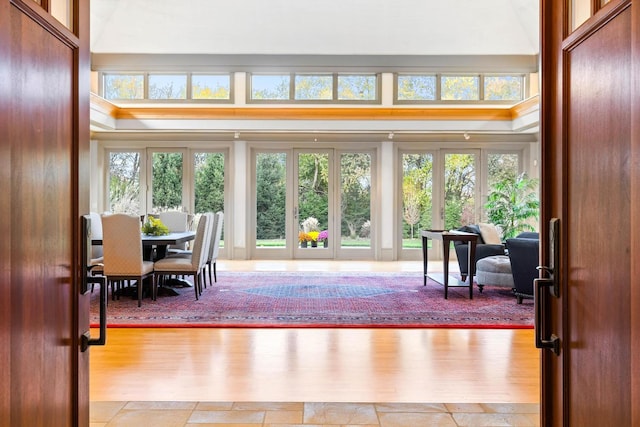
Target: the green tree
(167, 181)
(270, 195)
(459, 189)
(355, 200)
(417, 185)
(313, 187)
(209, 182)
(513, 205)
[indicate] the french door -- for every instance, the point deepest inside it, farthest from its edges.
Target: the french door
(439, 190)
(311, 204)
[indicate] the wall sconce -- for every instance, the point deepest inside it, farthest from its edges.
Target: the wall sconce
(467, 136)
(236, 135)
(390, 136)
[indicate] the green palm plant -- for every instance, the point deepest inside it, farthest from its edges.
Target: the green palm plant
(513, 205)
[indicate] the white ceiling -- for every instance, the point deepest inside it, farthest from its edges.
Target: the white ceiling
(306, 27)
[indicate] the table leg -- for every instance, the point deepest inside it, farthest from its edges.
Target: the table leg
(425, 259)
(445, 252)
(472, 256)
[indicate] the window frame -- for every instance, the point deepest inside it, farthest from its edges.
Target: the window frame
(145, 99)
(481, 94)
(292, 88)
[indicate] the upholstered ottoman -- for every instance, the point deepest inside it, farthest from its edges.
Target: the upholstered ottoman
(494, 270)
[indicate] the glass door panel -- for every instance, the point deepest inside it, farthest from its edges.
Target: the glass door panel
(500, 167)
(124, 174)
(209, 183)
(417, 197)
(312, 201)
(460, 192)
(355, 200)
(271, 200)
(167, 184)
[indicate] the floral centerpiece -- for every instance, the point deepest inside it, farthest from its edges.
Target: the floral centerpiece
(154, 227)
(323, 235)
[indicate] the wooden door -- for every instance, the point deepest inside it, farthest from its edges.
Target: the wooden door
(590, 173)
(44, 98)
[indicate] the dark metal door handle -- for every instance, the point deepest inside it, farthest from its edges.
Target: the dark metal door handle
(87, 278)
(553, 342)
(553, 283)
(85, 339)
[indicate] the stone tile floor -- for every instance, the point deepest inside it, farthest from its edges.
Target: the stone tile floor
(310, 414)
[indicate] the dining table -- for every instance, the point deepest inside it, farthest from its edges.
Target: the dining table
(155, 247)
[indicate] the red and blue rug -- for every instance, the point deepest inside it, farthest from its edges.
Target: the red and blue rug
(336, 300)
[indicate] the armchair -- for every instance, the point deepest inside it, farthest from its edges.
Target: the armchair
(525, 258)
(483, 250)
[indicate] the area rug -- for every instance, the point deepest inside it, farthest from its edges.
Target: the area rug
(336, 300)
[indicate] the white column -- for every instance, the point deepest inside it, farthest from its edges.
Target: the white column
(387, 198)
(240, 183)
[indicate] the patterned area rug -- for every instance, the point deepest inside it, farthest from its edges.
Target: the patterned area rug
(283, 300)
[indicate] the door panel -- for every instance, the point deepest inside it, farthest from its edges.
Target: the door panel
(167, 181)
(271, 200)
(312, 200)
(587, 185)
(44, 377)
(355, 222)
(460, 189)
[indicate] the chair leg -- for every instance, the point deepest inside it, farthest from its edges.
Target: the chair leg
(215, 277)
(204, 276)
(140, 286)
(196, 285)
(209, 264)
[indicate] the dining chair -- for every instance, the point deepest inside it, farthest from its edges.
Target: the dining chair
(214, 249)
(122, 243)
(206, 250)
(175, 221)
(184, 265)
(96, 266)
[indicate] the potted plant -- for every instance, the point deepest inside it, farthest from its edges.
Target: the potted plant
(513, 205)
(303, 238)
(323, 237)
(313, 235)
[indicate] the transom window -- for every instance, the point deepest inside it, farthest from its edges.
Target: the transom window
(164, 87)
(421, 88)
(313, 87)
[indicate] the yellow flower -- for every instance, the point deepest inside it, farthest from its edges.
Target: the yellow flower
(314, 235)
(303, 237)
(154, 227)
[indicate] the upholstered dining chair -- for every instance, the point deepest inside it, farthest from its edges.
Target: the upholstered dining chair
(206, 251)
(175, 221)
(96, 261)
(214, 249)
(122, 243)
(187, 265)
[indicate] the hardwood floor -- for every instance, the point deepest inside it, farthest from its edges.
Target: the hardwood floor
(317, 365)
(337, 365)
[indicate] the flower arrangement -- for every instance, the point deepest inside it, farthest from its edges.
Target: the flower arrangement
(154, 227)
(323, 235)
(310, 224)
(313, 235)
(303, 237)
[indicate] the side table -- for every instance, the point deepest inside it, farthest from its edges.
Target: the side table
(447, 237)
